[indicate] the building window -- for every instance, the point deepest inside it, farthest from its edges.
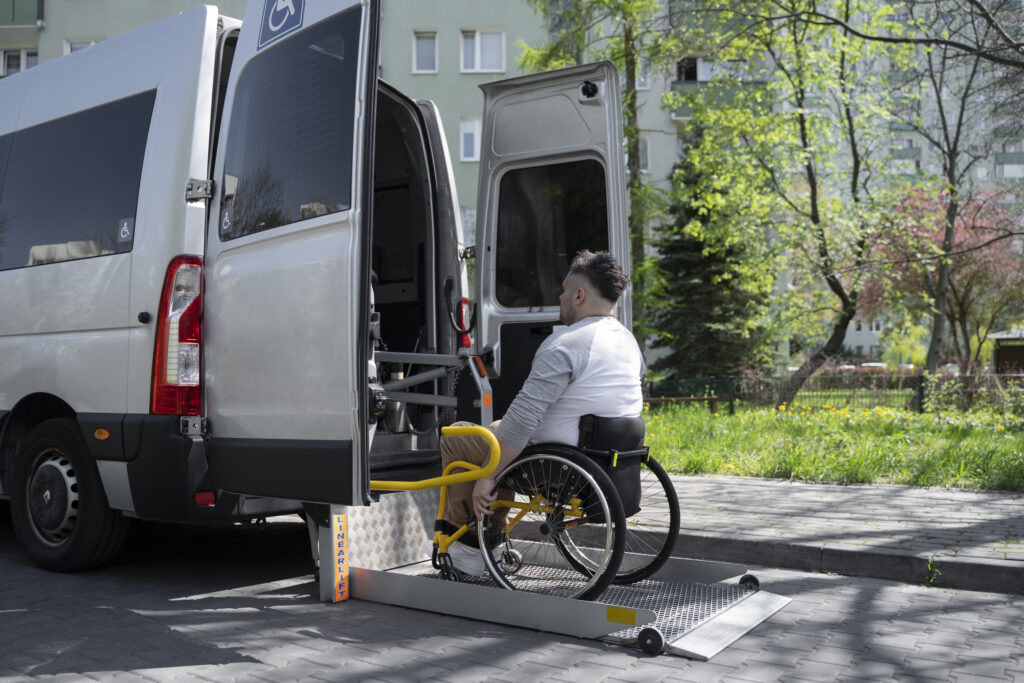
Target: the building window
(686, 69)
(17, 60)
(643, 73)
(645, 163)
(469, 140)
(76, 45)
(424, 54)
(483, 51)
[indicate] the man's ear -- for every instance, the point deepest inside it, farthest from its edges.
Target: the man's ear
(580, 296)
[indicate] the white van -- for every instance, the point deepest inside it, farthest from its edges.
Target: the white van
(232, 270)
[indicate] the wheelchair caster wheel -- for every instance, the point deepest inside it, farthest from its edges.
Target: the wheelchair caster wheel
(511, 561)
(750, 581)
(449, 573)
(651, 640)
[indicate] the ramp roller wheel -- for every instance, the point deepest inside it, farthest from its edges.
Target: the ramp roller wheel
(750, 581)
(651, 640)
(563, 530)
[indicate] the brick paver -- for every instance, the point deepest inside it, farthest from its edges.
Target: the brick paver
(198, 604)
(958, 538)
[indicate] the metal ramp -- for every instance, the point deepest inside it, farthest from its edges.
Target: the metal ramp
(690, 619)
(686, 609)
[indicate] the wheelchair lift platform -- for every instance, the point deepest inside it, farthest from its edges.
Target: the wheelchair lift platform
(691, 608)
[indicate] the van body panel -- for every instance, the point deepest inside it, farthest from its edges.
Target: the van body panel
(545, 137)
(71, 328)
(285, 342)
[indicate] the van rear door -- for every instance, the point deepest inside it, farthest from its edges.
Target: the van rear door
(551, 183)
(287, 277)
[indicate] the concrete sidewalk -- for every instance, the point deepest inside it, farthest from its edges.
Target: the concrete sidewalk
(972, 540)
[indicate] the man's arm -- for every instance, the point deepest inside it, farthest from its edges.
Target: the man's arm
(482, 496)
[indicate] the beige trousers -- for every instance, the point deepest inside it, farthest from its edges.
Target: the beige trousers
(474, 450)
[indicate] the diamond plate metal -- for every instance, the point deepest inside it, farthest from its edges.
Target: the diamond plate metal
(680, 606)
(391, 532)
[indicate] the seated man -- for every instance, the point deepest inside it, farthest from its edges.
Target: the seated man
(592, 366)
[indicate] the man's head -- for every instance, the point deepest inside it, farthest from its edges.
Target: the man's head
(593, 285)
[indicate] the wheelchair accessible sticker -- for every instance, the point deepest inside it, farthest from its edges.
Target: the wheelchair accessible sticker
(280, 17)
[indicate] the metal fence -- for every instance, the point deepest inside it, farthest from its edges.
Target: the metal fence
(856, 390)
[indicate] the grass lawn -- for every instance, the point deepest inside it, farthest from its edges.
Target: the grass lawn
(982, 450)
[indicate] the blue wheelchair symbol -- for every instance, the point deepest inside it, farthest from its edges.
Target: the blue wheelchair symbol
(280, 17)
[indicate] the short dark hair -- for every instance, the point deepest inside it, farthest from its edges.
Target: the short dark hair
(602, 271)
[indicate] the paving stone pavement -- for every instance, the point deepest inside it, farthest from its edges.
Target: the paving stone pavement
(234, 603)
(956, 538)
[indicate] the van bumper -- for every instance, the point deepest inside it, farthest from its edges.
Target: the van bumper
(162, 483)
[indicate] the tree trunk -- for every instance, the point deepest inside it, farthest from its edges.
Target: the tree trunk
(942, 290)
(637, 218)
(835, 341)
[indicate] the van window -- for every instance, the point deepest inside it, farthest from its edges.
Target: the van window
(71, 188)
(289, 151)
(545, 215)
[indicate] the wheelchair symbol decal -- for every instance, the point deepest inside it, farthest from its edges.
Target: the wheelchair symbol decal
(125, 230)
(280, 17)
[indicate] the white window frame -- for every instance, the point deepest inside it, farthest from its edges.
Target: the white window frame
(477, 69)
(23, 53)
(643, 73)
(474, 126)
(416, 35)
(644, 152)
(84, 42)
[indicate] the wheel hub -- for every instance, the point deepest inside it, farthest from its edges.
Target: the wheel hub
(53, 499)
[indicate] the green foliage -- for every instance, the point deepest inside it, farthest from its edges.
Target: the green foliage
(981, 449)
(794, 148)
(707, 308)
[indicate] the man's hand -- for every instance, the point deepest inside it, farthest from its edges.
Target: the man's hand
(482, 498)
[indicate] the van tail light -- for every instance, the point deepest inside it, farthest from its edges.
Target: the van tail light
(177, 359)
(464, 342)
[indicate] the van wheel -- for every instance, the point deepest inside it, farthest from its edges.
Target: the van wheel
(58, 508)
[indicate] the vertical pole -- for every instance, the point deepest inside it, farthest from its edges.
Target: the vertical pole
(334, 545)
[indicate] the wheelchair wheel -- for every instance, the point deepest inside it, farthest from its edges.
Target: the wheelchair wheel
(563, 533)
(651, 533)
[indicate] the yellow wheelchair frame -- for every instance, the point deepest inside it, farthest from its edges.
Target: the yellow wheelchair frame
(570, 514)
(441, 540)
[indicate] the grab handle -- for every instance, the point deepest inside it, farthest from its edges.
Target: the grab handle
(474, 472)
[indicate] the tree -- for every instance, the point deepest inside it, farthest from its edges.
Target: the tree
(625, 32)
(985, 275)
(708, 311)
(995, 34)
(952, 98)
(795, 148)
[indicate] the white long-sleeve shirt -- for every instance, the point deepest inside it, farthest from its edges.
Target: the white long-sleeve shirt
(593, 366)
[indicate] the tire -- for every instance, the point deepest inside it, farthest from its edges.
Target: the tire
(564, 528)
(651, 534)
(58, 508)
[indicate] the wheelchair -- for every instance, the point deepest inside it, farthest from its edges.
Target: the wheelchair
(576, 519)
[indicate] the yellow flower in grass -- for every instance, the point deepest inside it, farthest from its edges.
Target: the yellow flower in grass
(1000, 427)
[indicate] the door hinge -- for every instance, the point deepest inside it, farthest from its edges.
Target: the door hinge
(194, 426)
(196, 190)
(467, 253)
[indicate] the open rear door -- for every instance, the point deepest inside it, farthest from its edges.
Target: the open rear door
(287, 277)
(551, 183)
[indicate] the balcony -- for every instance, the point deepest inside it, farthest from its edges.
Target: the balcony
(913, 153)
(721, 93)
(20, 13)
(1010, 158)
